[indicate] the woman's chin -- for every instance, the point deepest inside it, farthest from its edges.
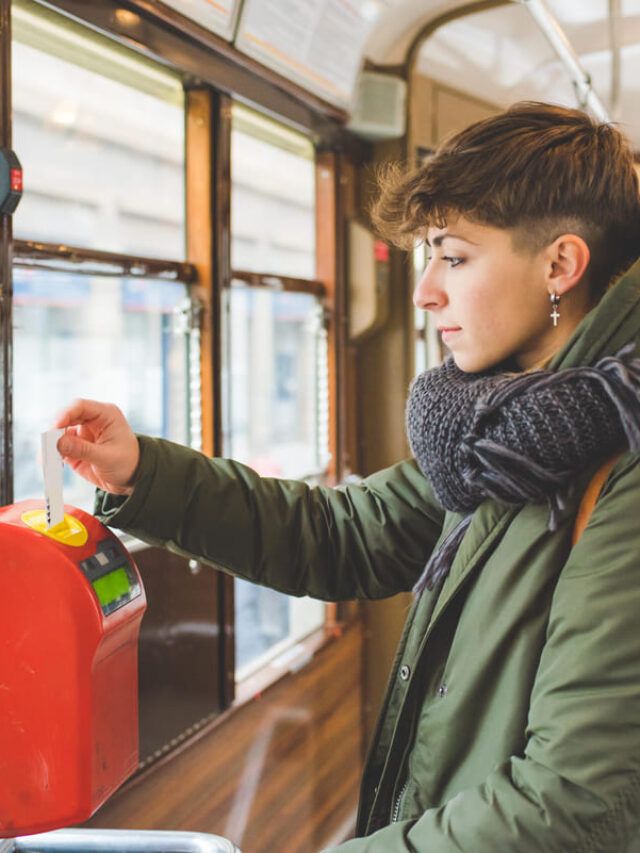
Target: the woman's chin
(467, 362)
(473, 362)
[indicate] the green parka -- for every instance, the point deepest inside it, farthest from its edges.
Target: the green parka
(512, 719)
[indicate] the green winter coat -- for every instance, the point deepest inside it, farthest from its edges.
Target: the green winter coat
(512, 719)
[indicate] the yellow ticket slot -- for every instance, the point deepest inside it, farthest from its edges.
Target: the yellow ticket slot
(70, 531)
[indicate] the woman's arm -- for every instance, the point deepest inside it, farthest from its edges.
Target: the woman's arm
(369, 540)
(577, 787)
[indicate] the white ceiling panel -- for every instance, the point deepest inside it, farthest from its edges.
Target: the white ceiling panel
(579, 11)
(390, 39)
(501, 56)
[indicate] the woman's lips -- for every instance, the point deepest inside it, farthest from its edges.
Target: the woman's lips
(449, 331)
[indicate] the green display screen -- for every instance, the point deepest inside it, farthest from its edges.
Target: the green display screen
(111, 587)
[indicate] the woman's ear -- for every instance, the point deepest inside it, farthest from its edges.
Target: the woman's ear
(567, 259)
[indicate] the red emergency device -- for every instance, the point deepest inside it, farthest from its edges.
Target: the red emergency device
(71, 602)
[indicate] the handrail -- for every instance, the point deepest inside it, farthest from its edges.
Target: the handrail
(557, 37)
(614, 43)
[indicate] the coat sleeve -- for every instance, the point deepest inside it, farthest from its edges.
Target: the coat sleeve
(369, 540)
(577, 786)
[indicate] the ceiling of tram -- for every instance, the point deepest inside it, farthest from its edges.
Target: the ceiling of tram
(397, 24)
(500, 55)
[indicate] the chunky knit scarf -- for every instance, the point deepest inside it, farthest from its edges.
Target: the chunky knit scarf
(517, 437)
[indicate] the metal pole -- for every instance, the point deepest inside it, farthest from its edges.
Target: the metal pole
(6, 283)
(614, 43)
(556, 36)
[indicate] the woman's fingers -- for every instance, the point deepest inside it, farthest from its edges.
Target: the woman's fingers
(73, 447)
(99, 444)
(81, 411)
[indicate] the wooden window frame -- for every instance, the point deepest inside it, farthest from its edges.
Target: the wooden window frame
(278, 283)
(30, 254)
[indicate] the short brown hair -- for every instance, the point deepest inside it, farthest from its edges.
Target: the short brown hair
(536, 169)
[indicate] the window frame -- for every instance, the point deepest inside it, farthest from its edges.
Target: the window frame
(29, 254)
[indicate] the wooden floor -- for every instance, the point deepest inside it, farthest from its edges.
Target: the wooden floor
(281, 773)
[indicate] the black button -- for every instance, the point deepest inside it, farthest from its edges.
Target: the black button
(405, 672)
(442, 691)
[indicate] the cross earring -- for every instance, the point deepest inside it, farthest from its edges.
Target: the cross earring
(555, 301)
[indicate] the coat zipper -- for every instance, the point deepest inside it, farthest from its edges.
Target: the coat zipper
(396, 809)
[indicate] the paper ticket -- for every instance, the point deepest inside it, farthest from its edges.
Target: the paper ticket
(52, 467)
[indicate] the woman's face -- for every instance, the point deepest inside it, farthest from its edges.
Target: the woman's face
(490, 301)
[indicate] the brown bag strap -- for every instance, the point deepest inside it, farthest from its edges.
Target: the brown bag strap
(590, 497)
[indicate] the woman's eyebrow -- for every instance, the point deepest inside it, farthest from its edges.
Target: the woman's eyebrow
(438, 241)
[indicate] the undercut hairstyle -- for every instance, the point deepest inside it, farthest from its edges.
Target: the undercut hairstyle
(537, 170)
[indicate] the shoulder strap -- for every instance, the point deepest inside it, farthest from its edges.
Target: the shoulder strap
(590, 497)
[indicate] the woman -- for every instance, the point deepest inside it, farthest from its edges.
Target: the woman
(512, 720)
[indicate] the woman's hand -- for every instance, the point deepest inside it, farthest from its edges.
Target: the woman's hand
(99, 445)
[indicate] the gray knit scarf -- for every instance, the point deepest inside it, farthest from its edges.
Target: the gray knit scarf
(517, 437)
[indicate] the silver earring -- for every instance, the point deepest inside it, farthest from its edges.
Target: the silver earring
(555, 301)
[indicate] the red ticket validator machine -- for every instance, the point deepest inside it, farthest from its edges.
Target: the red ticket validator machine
(71, 603)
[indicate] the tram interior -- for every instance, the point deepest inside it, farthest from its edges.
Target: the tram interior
(193, 244)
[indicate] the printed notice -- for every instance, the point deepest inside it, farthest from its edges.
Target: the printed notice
(316, 43)
(52, 467)
(219, 16)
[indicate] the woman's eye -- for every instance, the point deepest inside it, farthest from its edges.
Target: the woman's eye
(453, 262)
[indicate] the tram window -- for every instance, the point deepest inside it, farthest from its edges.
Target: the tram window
(100, 133)
(275, 402)
(275, 373)
(275, 393)
(272, 197)
(118, 339)
(429, 351)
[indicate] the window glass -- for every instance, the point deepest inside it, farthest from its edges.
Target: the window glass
(269, 623)
(420, 261)
(275, 391)
(429, 350)
(275, 403)
(272, 197)
(119, 339)
(100, 135)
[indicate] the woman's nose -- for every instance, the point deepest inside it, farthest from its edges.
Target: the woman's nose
(428, 294)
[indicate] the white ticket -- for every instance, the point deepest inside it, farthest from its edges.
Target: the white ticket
(52, 467)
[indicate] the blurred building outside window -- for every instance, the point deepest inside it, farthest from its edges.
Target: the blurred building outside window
(100, 134)
(99, 131)
(273, 197)
(116, 339)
